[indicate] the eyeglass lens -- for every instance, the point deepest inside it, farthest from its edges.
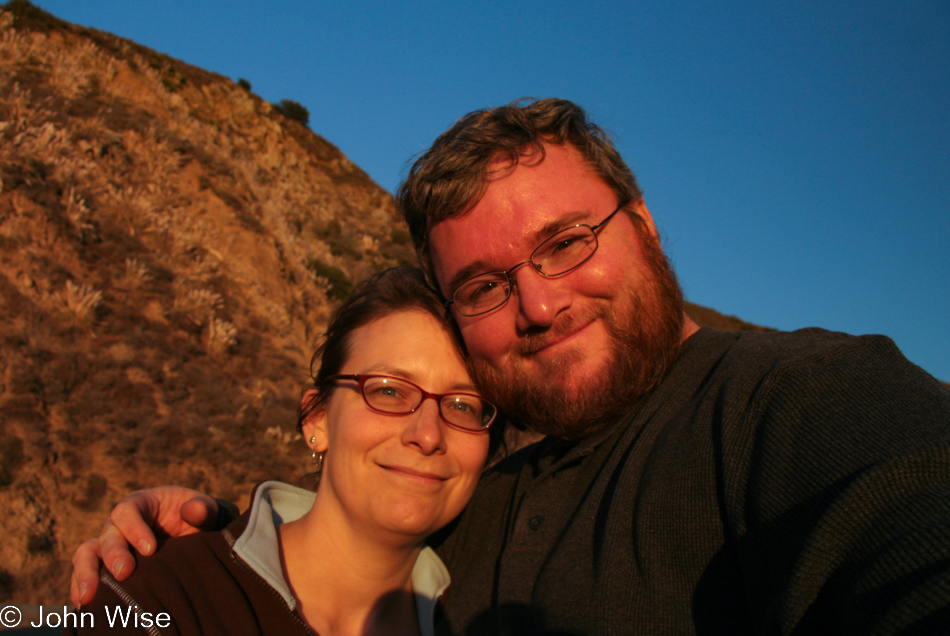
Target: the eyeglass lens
(398, 397)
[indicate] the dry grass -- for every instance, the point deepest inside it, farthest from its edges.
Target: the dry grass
(156, 222)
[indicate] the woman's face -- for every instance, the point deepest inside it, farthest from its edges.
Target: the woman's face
(397, 475)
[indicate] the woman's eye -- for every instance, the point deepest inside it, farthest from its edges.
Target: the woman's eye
(465, 407)
(387, 392)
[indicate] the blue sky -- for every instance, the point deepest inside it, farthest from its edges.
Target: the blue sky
(795, 155)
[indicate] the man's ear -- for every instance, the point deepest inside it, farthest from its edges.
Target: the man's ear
(315, 425)
(640, 209)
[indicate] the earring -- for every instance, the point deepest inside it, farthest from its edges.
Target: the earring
(318, 460)
(317, 457)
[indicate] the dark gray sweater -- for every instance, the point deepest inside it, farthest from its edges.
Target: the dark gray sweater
(773, 483)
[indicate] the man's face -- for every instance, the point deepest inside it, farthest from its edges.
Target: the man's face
(553, 352)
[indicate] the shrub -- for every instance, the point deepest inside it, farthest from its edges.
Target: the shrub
(81, 301)
(30, 16)
(222, 336)
(12, 457)
(294, 110)
(399, 236)
(340, 287)
(96, 486)
(7, 585)
(137, 274)
(243, 83)
(340, 243)
(39, 542)
(198, 304)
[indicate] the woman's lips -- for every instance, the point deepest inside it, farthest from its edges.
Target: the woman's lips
(415, 473)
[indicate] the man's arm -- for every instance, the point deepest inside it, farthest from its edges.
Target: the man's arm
(172, 510)
(842, 517)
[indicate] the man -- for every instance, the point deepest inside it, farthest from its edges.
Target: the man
(692, 481)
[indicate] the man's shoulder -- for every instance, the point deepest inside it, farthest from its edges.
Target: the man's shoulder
(807, 350)
(805, 343)
(812, 384)
(812, 375)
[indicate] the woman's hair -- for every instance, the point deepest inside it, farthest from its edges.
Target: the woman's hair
(390, 291)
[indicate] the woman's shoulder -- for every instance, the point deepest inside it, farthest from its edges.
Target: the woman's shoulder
(201, 583)
(169, 591)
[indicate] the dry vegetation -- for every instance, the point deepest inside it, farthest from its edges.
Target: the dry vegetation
(170, 248)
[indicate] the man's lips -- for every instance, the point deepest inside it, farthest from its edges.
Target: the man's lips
(534, 344)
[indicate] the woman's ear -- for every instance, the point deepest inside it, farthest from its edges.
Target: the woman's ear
(315, 426)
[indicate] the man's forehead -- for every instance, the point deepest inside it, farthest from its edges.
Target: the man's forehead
(521, 206)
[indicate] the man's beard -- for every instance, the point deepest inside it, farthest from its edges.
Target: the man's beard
(645, 332)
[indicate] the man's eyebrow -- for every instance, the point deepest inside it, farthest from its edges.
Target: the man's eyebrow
(472, 269)
(545, 232)
(553, 227)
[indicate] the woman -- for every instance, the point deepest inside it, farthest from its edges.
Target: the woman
(400, 436)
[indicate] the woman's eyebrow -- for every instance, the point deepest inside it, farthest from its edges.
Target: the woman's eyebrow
(405, 374)
(382, 368)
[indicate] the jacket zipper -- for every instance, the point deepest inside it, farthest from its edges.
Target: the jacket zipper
(244, 566)
(127, 598)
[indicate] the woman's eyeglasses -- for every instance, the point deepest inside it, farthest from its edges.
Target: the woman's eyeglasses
(395, 396)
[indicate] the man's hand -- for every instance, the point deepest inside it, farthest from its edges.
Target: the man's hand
(171, 510)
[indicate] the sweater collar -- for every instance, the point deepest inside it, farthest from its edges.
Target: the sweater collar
(274, 503)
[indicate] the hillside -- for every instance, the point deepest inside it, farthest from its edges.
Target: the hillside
(170, 249)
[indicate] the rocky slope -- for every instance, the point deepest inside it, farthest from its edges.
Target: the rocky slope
(170, 248)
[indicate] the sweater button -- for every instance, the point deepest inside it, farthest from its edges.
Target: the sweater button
(535, 522)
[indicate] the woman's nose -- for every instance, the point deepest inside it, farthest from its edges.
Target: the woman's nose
(424, 428)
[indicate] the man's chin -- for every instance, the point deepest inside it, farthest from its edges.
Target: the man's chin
(552, 400)
(570, 374)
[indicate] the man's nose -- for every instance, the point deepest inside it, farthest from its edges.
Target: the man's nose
(424, 428)
(540, 298)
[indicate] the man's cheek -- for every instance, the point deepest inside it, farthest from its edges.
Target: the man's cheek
(484, 342)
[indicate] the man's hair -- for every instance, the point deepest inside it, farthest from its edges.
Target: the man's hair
(450, 178)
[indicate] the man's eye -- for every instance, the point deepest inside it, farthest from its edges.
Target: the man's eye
(565, 243)
(483, 289)
(569, 240)
(480, 290)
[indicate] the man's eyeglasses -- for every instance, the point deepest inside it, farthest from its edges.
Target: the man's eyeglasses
(395, 396)
(558, 254)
